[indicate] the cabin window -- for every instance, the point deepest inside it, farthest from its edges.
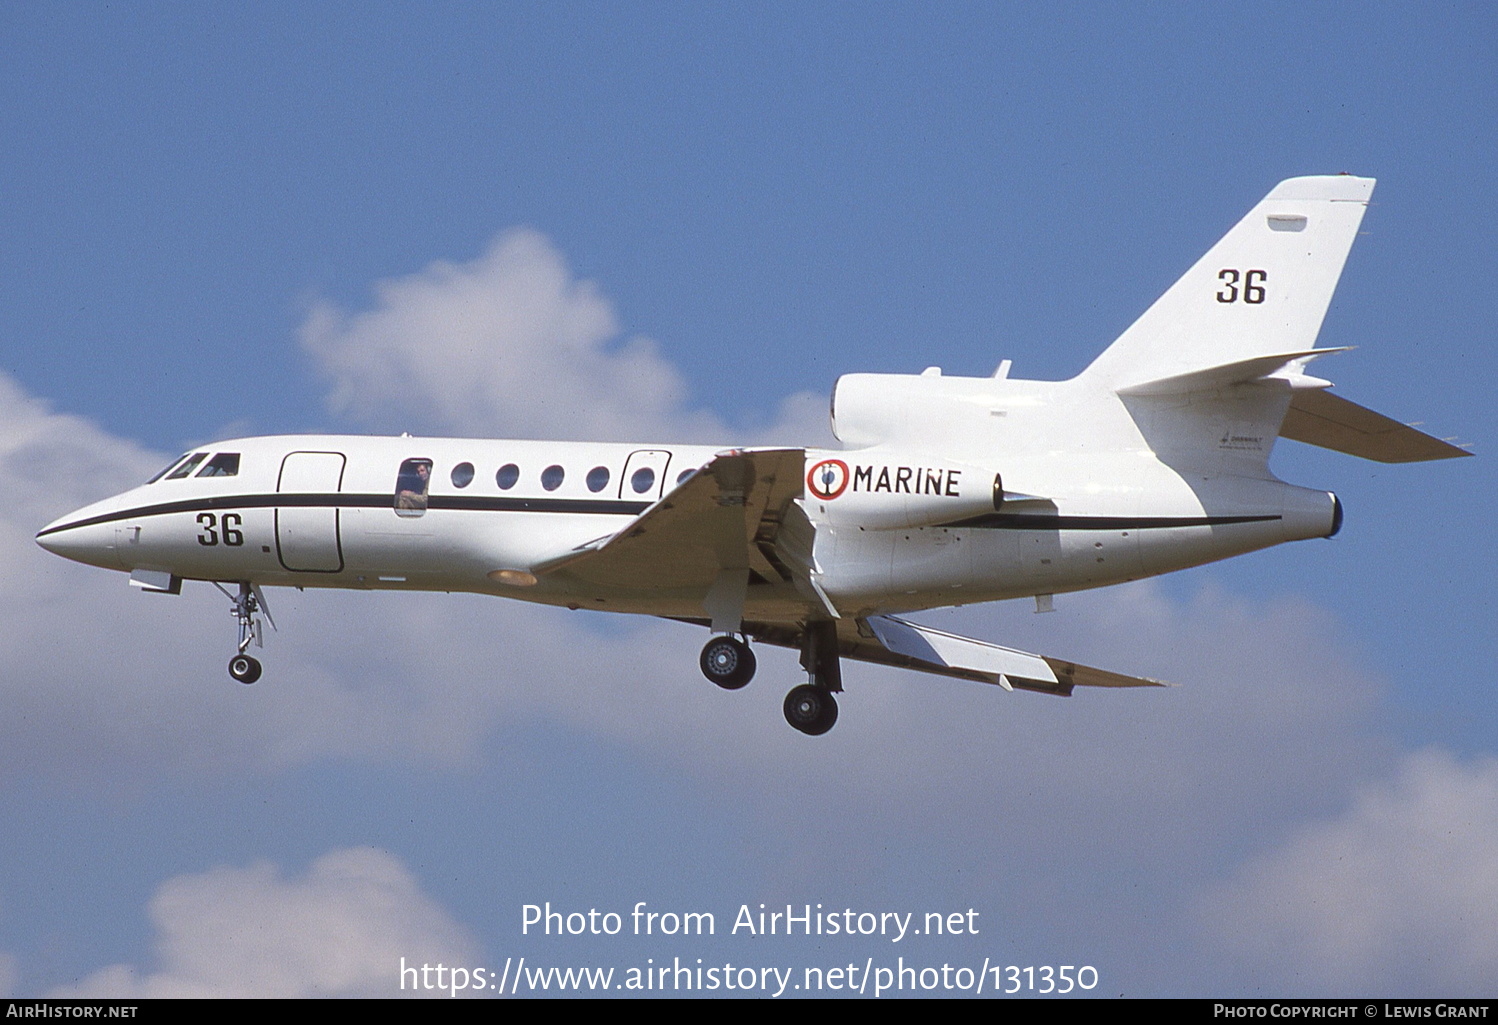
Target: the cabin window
(598, 478)
(462, 475)
(551, 477)
(684, 476)
(507, 476)
(225, 464)
(642, 480)
(187, 466)
(411, 487)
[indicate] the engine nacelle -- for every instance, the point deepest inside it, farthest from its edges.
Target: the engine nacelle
(882, 489)
(922, 411)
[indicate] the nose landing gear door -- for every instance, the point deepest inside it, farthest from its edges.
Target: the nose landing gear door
(307, 539)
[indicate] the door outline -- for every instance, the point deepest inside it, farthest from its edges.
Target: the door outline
(303, 517)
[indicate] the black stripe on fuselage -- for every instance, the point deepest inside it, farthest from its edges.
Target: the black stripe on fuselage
(478, 503)
(1018, 521)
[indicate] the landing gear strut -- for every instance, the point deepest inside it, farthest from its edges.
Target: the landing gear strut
(811, 708)
(727, 661)
(247, 607)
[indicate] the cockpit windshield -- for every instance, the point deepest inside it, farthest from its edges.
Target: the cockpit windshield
(187, 466)
(169, 466)
(225, 464)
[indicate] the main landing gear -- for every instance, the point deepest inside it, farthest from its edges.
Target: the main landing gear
(727, 661)
(811, 708)
(247, 607)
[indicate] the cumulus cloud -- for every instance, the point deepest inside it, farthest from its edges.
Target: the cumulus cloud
(340, 929)
(510, 344)
(507, 343)
(1399, 893)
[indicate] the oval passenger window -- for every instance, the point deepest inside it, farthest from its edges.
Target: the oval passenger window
(551, 477)
(507, 476)
(642, 479)
(462, 475)
(598, 478)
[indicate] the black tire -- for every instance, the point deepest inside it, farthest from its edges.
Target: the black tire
(811, 710)
(728, 662)
(244, 668)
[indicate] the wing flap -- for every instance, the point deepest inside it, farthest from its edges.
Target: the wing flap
(889, 641)
(951, 651)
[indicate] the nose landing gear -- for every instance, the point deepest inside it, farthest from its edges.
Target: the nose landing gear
(247, 607)
(244, 668)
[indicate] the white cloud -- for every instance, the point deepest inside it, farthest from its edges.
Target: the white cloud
(341, 929)
(507, 343)
(1398, 894)
(510, 344)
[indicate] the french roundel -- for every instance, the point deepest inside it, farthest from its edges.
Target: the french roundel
(827, 479)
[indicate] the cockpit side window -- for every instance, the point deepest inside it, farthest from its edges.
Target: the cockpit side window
(411, 487)
(225, 464)
(187, 466)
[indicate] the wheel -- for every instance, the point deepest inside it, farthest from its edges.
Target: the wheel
(811, 710)
(728, 662)
(244, 668)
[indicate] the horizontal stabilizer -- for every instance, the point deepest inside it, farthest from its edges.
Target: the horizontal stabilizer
(1330, 421)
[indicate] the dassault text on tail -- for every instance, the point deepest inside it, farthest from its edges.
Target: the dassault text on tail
(949, 490)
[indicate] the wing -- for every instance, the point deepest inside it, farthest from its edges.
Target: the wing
(735, 516)
(887, 640)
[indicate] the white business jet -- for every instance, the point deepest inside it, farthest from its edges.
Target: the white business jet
(949, 491)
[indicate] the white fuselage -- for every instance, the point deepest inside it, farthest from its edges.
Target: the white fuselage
(907, 529)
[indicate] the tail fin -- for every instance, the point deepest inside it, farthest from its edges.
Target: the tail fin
(1263, 290)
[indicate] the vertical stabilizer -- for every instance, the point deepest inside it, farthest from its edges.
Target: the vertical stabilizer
(1263, 289)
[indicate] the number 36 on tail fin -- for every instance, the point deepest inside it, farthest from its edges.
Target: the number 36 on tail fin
(948, 490)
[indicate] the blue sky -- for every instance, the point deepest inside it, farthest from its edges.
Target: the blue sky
(745, 202)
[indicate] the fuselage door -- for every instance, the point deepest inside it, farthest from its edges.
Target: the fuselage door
(307, 538)
(644, 475)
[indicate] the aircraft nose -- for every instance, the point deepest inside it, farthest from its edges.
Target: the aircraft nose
(74, 537)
